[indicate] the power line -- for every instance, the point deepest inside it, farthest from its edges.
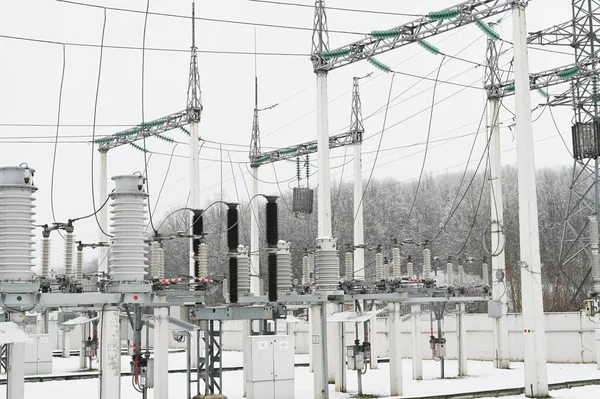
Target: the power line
(219, 20)
(339, 8)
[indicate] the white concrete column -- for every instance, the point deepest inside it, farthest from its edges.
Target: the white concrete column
(415, 342)
(311, 352)
(316, 341)
(103, 214)
(82, 358)
(161, 353)
(110, 354)
(66, 343)
(194, 184)
(597, 328)
(16, 371)
(332, 344)
(534, 342)
(324, 188)
(374, 342)
(461, 335)
(359, 239)
(340, 353)
(395, 355)
(246, 362)
(254, 234)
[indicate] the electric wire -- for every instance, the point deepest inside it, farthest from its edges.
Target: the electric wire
(338, 8)
(162, 186)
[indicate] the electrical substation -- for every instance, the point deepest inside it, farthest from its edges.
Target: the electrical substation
(131, 316)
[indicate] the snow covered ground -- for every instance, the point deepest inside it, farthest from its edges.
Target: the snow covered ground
(376, 382)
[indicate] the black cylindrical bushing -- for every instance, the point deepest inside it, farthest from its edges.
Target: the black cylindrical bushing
(233, 280)
(233, 239)
(197, 230)
(272, 270)
(272, 229)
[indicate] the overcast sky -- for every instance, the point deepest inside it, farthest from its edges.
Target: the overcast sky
(30, 77)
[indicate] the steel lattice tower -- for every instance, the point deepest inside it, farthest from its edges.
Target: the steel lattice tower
(194, 94)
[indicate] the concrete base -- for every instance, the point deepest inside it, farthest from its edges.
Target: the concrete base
(216, 396)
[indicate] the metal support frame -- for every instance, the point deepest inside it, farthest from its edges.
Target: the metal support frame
(210, 366)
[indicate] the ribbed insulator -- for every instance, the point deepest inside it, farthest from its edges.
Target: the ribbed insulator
(449, 274)
(233, 279)
(379, 267)
(461, 276)
(594, 243)
(272, 276)
(311, 263)
(426, 264)
(233, 239)
(45, 256)
(485, 274)
(161, 262)
(284, 267)
(396, 271)
(410, 270)
(386, 269)
(349, 262)
(243, 270)
(203, 260)
(128, 209)
(68, 253)
(272, 228)
(154, 259)
(16, 223)
(79, 272)
(305, 270)
(327, 266)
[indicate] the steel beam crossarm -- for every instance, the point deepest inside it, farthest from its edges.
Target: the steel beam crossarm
(310, 147)
(565, 74)
(466, 13)
(146, 129)
(558, 35)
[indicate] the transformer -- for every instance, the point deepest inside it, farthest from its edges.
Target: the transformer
(302, 200)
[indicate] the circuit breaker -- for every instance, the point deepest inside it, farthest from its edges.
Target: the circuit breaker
(355, 357)
(438, 346)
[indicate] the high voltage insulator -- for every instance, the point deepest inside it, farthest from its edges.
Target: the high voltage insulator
(243, 270)
(379, 265)
(45, 253)
(386, 268)
(567, 73)
(79, 266)
(426, 264)
(543, 93)
(429, 47)
(461, 275)
(232, 244)
(595, 250)
(161, 261)
(126, 133)
(202, 260)
(410, 271)
(137, 147)
(349, 263)
(327, 55)
(444, 14)
(158, 122)
(69, 251)
(491, 33)
(271, 224)
(16, 222)
(284, 267)
(272, 276)
(154, 260)
(305, 269)
(385, 34)
(164, 138)
(127, 248)
(396, 271)
(327, 267)
(510, 89)
(379, 65)
(485, 273)
(449, 274)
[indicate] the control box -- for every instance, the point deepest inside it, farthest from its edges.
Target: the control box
(355, 357)
(145, 371)
(438, 346)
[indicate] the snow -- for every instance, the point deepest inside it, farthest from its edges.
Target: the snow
(482, 377)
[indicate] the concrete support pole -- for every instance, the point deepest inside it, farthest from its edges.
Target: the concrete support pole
(334, 338)
(82, 358)
(395, 343)
(246, 330)
(415, 342)
(597, 328)
(534, 343)
(15, 377)
(372, 330)
(110, 354)
(254, 235)
(161, 353)
(66, 343)
(501, 355)
(340, 354)
(103, 214)
(311, 352)
(461, 335)
(595, 250)
(194, 185)
(359, 236)
(319, 366)
(324, 189)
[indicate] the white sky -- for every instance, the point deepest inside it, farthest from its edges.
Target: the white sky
(30, 79)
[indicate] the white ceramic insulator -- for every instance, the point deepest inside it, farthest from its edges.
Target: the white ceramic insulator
(243, 270)
(379, 267)
(349, 263)
(79, 266)
(68, 253)
(410, 270)
(595, 250)
(45, 256)
(284, 267)
(16, 223)
(128, 249)
(154, 259)
(161, 262)
(305, 270)
(327, 266)
(461, 276)
(386, 270)
(396, 271)
(449, 274)
(426, 264)
(485, 274)
(203, 260)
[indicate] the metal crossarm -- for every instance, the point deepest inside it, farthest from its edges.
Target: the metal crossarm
(143, 130)
(558, 35)
(299, 150)
(433, 24)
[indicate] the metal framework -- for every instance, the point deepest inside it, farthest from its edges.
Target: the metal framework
(466, 13)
